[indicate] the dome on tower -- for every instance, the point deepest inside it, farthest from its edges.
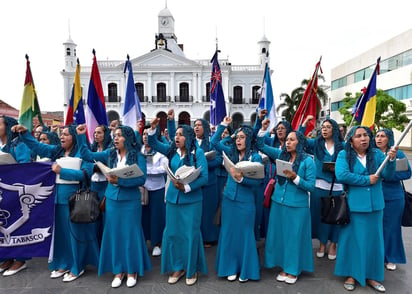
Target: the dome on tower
(165, 12)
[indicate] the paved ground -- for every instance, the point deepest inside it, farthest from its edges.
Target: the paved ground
(36, 279)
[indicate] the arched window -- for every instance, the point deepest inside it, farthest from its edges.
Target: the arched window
(206, 116)
(113, 92)
(140, 91)
(68, 51)
(163, 120)
(184, 118)
(237, 95)
(253, 119)
(161, 92)
(207, 92)
(237, 120)
(184, 92)
(255, 94)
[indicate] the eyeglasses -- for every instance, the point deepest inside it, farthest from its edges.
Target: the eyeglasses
(326, 127)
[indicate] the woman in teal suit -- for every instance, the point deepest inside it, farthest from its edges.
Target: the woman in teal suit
(237, 254)
(182, 244)
(360, 256)
(10, 143)
(75, 245)
(123, 249)
(394, 203)
(288, 240)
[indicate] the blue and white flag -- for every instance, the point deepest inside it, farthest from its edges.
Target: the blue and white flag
(217, 98)
(26, 210)
(132, 112)
(266, 99)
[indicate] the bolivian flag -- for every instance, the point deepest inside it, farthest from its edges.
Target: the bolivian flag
(29, 103)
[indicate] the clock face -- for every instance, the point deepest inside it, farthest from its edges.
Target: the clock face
(165, 21)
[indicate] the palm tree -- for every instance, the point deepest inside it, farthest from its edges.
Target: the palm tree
(290, 103)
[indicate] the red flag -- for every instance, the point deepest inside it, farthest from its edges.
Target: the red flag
(309, 103)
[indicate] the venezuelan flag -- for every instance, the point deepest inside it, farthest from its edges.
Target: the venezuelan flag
(75, 112)
(29, 104)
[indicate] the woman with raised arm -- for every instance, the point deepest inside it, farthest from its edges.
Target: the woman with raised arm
(325, 149)
(394, 196)
(75, 245)
(123, 249)
(288, 240)
(360, 256)
(275, 138)
(210, 202)
(10, 143)
(182, 244)
(237, 255)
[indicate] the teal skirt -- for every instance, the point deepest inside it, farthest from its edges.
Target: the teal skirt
(182, 244)
(123, 248)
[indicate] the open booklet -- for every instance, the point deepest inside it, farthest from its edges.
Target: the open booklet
(126, 172)
(250, 169)
(184, 174)
(282, 166)
(6, 158)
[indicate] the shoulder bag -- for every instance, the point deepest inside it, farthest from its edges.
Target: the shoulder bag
(335, 209)
(84, 204)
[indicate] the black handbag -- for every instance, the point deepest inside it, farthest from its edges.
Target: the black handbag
(84, 204)
(335, 209)
(407, 210)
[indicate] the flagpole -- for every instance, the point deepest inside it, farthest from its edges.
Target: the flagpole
(310, 94)
(34, 89)
(396, 145)
(353, 116)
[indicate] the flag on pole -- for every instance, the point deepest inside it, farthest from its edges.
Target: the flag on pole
(75, 112)
(96, 107)
(365, 107)
(309, 103)
(29, 104)
(132, 112)
(217, 98)
(266, 99)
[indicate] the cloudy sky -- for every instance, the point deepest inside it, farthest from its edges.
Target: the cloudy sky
(300, 32)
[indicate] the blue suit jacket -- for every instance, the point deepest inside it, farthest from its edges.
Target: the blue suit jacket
(362, 196)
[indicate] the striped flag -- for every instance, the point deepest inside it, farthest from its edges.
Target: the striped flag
(132, 112)
(29, 103)
(266, 99)
(75, 112)
(366, 104)
(96, 107)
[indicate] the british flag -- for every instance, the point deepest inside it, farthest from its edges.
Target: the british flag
(217, 99)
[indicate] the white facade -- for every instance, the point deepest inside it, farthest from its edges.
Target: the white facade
(167, 68)
(395, 75)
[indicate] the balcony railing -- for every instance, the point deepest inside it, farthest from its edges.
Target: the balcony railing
(237, 100)
(112, 98)
(184, 98)
(160, 98)
(144, 99)
(205, 98)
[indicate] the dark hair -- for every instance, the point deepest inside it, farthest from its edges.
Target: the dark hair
(319, 146)
(351, 153)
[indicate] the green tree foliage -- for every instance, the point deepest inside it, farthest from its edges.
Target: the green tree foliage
(390, 113)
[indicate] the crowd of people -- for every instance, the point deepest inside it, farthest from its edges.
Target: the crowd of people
(221, 207)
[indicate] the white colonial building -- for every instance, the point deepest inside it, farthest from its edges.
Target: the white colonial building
(395, 75)
(165, 78)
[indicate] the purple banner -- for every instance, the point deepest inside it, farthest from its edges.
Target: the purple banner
(26, 209)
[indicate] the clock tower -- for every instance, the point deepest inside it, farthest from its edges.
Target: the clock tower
(166, 24)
